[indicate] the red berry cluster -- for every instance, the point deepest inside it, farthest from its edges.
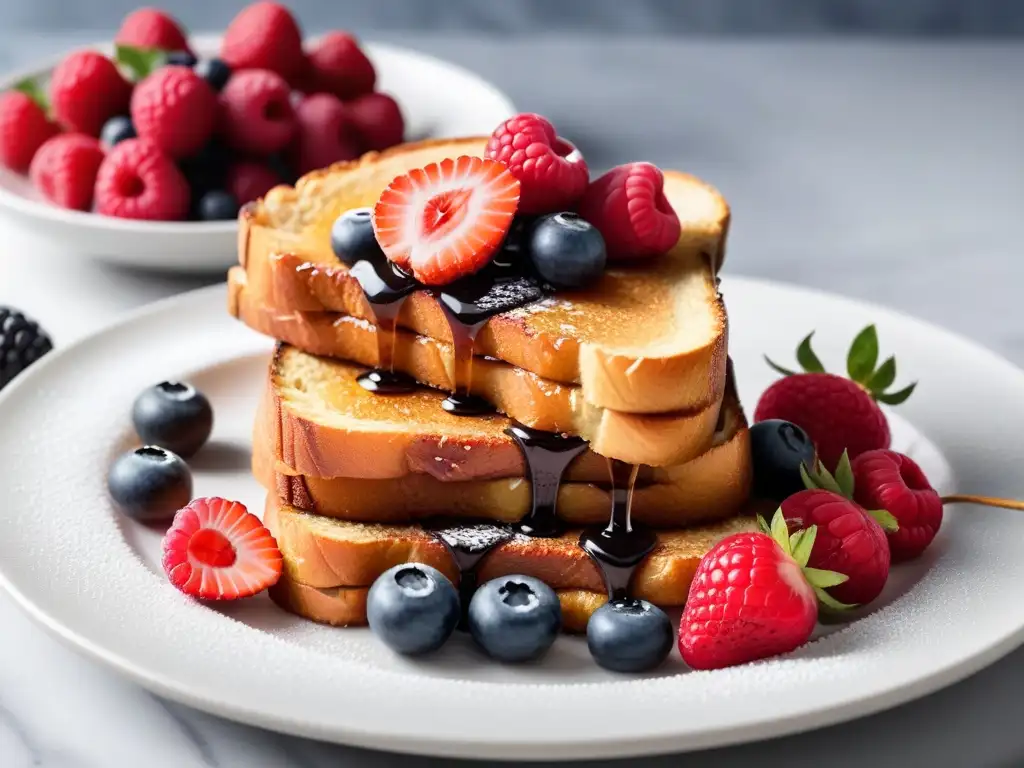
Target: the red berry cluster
(155, 133)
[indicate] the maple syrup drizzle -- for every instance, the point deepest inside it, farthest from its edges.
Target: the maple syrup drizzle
(547, 456)
(619, 547)
(468, 542)
(386, 288)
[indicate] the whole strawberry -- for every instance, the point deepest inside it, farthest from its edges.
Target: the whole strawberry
(151, 28)
(752, 597)
(892, 481)
(839, 414)
(850, 540)
(86, 90)
(265, 36)
(64, 170)
(24, 127)
(174, 109)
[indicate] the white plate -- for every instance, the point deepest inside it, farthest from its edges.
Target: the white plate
(94, 579)
(438, 99)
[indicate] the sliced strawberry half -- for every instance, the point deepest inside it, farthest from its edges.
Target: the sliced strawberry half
(217, 550)
(446, 220)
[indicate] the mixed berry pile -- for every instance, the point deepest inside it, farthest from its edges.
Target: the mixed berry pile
(157, 133)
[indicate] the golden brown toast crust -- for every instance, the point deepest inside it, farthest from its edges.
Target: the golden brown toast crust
(325, 553)
(617, 340)
(713, 486)
(346, 606)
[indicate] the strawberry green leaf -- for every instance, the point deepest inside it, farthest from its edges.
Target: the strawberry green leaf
(778, 368)
(861, 361)
(806, 357)
(821, 478)
(802, 542)
(140, 62)
(889, 523)
(895, 398)
(34, 91)
(830, 602)
(807, 475)
(844, 475)
(824, 579)
(883, 377)
(762, 524)
(780, 531)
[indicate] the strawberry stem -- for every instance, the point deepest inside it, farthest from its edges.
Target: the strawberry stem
(984, 501)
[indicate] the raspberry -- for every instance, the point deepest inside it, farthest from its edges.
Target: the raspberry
(248, 181)
(326, 134)
(24, 127)
(552, 172)
(256, 112)
(629, 207)
(64, 170)
(339, 66)
(264, 36)
(151, 28)
(138, 181)
(86, 90)
(174, 109)
(378, 120)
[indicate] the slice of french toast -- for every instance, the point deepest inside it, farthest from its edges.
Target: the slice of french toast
(650, 338)
(712, 486)
(330, 564)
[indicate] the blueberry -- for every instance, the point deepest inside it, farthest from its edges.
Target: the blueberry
(279, 165)
(567, 251)
(173, 415)
(515, 618)
(352, 237)
(217, 205)
(778, 449)
(515, 245)
(214, 71)
(205, 170)
(629, 635)
(150, 484)
(116, 130)
(181, 59)
(413, 608)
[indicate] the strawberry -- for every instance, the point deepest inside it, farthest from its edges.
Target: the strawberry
(264, 36)
(86, 90)
(629, 208)
(850, 540)
(839, 414)
(890, 480)
(552, 172)
(753, 596)
(24, 128)
(151, 28)
(216, 550)
(446, 220)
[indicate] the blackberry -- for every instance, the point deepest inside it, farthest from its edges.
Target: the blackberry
(22, 342)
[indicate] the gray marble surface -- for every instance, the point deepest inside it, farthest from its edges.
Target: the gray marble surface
(888, 172)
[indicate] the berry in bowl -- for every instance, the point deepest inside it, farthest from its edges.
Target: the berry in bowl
(143, 151)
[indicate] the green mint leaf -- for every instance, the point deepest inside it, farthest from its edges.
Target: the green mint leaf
(824, 579)
(895, 398)
(883, 377)
(889, 523)
(830, 602)
(762, 524)
(844, 475)
(863, 357)
(806, 357)
(140, 62)
(780, 531)
(801, 544)
(34, 91)
(778, 368)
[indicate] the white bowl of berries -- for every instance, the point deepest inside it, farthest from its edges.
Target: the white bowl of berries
(142, 151)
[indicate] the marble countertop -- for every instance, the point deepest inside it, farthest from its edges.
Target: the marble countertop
(885, 171)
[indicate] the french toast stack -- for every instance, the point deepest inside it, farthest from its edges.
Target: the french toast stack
(536, 413)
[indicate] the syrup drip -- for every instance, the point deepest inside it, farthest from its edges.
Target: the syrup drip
(547, 456)
(386, 288)
(620, 547)
(468, 542)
